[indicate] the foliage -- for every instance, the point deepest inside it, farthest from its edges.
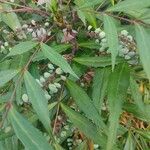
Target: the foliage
(74, 74)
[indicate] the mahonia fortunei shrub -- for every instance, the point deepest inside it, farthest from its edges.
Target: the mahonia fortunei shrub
(74, 75)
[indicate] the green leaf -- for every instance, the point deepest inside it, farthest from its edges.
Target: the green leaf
(90, 17)
(112, 2)
(89, 44)
(84, 103)
(59, 48)
(7, 75)
(143, 109)
(87, 3)
(58, 147)
(82, 146)
(99, 87)
(57, 59)
(10, 18)
(22, 47)
(86, 11)
(101, 61)
(38, 100)
(117, 89)
(129, 143)
(112, 38)
(28, 135)
(129, 5)
(143, 44)
(86, 126)
(144, 133)
(134, 109)
(81, 16)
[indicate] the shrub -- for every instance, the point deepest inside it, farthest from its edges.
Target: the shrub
(74, 74)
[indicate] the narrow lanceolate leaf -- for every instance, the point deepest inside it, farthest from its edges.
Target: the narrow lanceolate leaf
(112, 37)
(143, 44)
(22, 47)
(84, 103)
(89, 3)
(99, 87)
(81, 16)
(38, 100)
(11, 18)
(6, 76)
(117, 88)
(89, 44)
(57, 59)
(31, 138)
(86, 126)
(137, 96)
(130, 5)
(129, 143)
(101, 61)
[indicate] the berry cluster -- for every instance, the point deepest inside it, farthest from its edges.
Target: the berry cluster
(127, 46)
(36, 31)
(48, 82)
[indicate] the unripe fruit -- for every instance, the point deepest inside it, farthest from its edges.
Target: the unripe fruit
(46, 24)
(57, 85)
(25, 98)
(63, 78)
(89, 27)
(102, 34)
(47, 74)
(98, 30)
(124, 32)
(50, 66)
(59, 71)
(42, 80)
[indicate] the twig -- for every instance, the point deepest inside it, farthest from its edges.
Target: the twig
(27, 10)
(58, 108)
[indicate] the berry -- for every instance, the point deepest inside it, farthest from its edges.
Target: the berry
(57, 85)
(50, 66)
(59, 71)
(49, 33)
(33, 22)
(69, 140)
(97, 30)
(124, 32)
(25, 26)
(6, 44)
(127, 57)
(96, 146)
(46, 24)
(47, 74)
(43, 31)
(29, 30)
(124, 50)
(69, 144)
(97, 41)
(102, 34)
(131, 54)
(104, 40)
(53, 88)
(7, 129)
(33, 34)
(89, 27)
(25, 98)
(63, 133)
(130, 38)
(63, 78)
(42, 80)
(48, 97)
